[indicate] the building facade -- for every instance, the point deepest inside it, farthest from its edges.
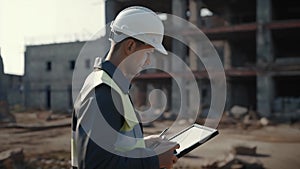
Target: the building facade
(48, 75)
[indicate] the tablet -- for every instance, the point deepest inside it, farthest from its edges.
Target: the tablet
(192, 137)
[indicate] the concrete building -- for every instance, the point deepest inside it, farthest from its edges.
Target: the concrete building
(49, 82)
(48, 75)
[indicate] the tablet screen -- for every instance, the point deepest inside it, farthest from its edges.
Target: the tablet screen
(193, 135)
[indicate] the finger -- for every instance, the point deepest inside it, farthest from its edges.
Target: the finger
(174, 143)
(170, 166)
(175, 159)
(177, 146)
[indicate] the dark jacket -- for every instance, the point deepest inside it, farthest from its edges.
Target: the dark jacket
(92, 156)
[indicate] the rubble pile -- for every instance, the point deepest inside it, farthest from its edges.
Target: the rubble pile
(240, 157)
(244, 118)
(48, 163)
(13, 158)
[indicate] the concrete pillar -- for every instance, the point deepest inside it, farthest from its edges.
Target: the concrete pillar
(195, 7)
(193, 58)
(110, 11)
(179, 8)
(140, 96)
(227, 55)
(264, 56)
(264, 94)
(227, 15)
(158, 101)
(228, 65)
(264, 42)
(195, 18)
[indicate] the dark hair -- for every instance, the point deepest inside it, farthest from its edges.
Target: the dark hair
(117, 46)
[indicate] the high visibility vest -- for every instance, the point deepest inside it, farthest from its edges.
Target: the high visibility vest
(131, 134)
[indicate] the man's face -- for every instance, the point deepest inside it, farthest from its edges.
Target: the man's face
(137, 60)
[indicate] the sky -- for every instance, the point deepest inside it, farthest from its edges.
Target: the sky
(42, 22)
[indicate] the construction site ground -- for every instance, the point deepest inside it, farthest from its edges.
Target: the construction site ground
(45, 140)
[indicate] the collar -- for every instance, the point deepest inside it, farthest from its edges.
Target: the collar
(116, 75)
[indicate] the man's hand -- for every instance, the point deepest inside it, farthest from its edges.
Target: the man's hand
(167, 158)
(165, 150)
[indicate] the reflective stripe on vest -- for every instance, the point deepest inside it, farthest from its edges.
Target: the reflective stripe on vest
(130, 128)
(74, 161)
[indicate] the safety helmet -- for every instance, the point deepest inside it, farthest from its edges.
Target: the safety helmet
(140, 23)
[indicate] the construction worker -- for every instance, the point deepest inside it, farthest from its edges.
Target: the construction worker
(106, 132)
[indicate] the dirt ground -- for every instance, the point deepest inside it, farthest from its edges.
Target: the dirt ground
(49, 147)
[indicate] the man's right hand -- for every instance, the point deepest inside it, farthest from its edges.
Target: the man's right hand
(167, 157)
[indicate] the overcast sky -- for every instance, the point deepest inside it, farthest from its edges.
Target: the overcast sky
(44, 21)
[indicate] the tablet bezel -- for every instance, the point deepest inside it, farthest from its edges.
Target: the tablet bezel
(197, 144)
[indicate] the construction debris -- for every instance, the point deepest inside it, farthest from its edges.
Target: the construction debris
(52, 162)
(37, 127)
(12, 159)
(264, 121)
(5, 115)
(240, 157)
(243, 118)
(238, 111)
(234, 162)
(244, 150)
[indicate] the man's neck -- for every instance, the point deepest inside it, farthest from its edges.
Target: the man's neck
(116, 59)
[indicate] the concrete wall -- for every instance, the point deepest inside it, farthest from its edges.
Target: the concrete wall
(45, 87)
(15, 90)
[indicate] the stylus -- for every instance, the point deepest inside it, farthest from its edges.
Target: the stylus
(162, 134)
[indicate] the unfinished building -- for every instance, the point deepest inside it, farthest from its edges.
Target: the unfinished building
(260, 53)
(256, 41)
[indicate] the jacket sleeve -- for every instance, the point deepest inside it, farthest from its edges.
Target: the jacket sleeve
(110, 105)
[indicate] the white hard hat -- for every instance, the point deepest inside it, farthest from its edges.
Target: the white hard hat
(140, 23)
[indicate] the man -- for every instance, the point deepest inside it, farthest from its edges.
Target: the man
(106, 132)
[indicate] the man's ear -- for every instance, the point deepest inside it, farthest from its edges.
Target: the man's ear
(129, 46)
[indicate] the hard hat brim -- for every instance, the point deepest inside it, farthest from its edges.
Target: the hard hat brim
(160, 48)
